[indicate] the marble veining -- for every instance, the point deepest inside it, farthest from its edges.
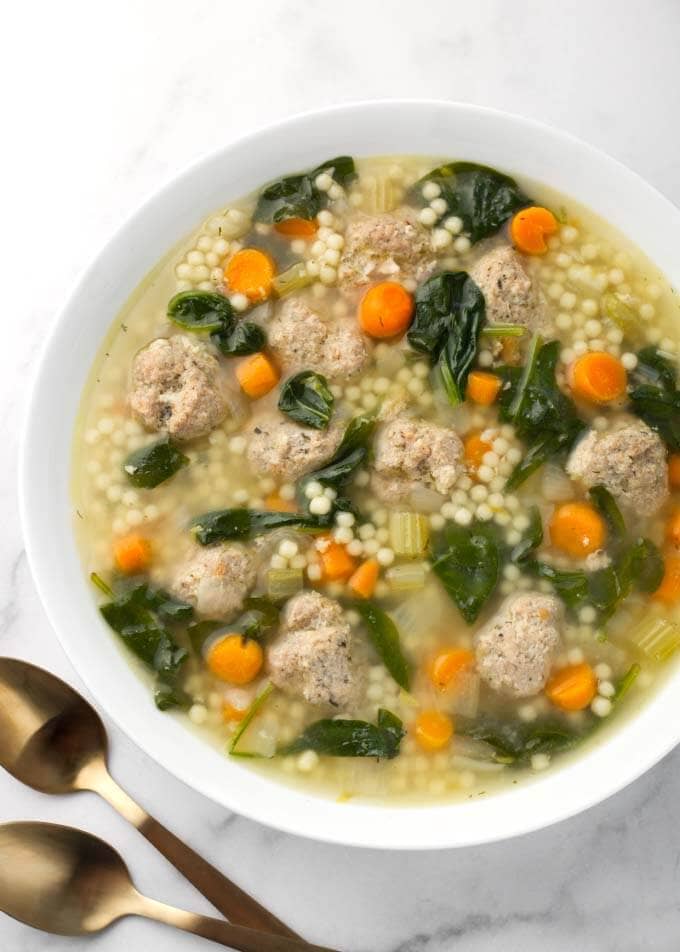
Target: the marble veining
(104, 103)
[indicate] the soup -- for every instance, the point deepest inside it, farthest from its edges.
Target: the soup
(378, 477)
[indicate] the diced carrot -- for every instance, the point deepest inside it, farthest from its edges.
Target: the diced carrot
(132, 554)
(277, 504)
(669, 590)
(674, 470)
(474, 449)
(572, 688)
(250, 272)
(297, 227)
(448, 664)
(433, 730)
(530, 227)
(385, 310)
(577, 528)
(232, 713)
(257, 375)
(598, 377)
(235, 659)
(673, 529)
(363, 580)
(483, 388)
(336, 563)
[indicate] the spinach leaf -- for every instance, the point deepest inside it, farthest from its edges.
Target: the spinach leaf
(305, 398)
(222, 525)
(541, 413)
(606, 503)
(137, 614)
(481, 196)
(449, 314)
(468, 561)
(384, 637)
(296, 196)
(516, 743)
(350, 454)
(257, 620)
(201, 311)
(531, 538)
(247, 720)
(655, 369)
(626, 682)
(153, 464)
(655, 397)
(350, 738)
(645, 565)
(245, 338)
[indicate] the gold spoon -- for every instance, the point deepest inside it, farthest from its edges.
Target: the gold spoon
(69, 882)
(54, 741)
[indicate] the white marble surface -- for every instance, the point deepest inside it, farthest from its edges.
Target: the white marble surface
(100, 104)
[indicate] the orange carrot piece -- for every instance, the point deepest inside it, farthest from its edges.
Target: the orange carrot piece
(674, 470)
(448, 664)
(669, 590)
(673, 529)
(232, 713)
(572, 688)
(250, 272)
(336, 563)
(598, 377)
(483, 388)
(235, 659)
(577, 528)
(132, 554)
(433, 730)
(277, 504)
(530, 227)
(297, 227)
(364, 579)
(257, 375)
(385, 310)
(474, 449)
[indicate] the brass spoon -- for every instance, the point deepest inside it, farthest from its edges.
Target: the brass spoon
(54, 741)
(69, 882)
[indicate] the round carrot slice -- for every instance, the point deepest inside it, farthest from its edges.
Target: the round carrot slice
(250, 272)
(577, 528)
(433, 730)
(474, 449)
(385, 310)
(448, 664)
(235, 659)
(598, 377)
(669, 590)
(296, 227)
(530, 227)
(572, 688)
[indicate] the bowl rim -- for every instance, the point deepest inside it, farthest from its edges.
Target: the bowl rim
(384, 826)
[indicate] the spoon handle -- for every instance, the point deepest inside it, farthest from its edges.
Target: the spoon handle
(235, 937)
(235, 904)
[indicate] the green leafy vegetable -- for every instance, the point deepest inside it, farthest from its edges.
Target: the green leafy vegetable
(384, 637)
(350, 738)
(153, 464)
(296, 196)
(335, 474)
(305, 398)
(468, 561)
(201, 311)
(606, 503)
(531, 538)
(449, 314)
(245, 338)
(503, 330)
(222, 525)
(627, 681)
(247, 721)
(482, 197)
(655, 397)
(516, 743)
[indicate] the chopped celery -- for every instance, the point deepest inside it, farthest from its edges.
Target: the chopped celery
(383, 196)
(409, 533)
(627, 681)
(293, 279)
(657, 637)
(621, 314)
(246, 722)
(282, 583)
(409, 577)
(503, 330)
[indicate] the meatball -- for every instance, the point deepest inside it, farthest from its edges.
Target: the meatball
(280, 448)
(301, 340)
(384, 247)
(630, 462)
(511, 296)
(216, 580)
(175, 388)
(515, 650)
(311, 658)
(412, 454)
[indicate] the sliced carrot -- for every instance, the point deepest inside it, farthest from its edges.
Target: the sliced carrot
(474, 449)
(232, 713)
(132, 554)
(577, 528)
(674, 470)
(598, 377)
(572, 688)
(250, 272)
(448, 664)
(276, 503)
(673, 529)
(385, 310)
(363, 580)
(235, 659)
(336, 562)
(297, 227)
(483, 388)
(433, 730)
(530, 227)
(669, 590)
(257, 375)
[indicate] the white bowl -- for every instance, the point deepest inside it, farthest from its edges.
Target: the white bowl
(429, 128)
